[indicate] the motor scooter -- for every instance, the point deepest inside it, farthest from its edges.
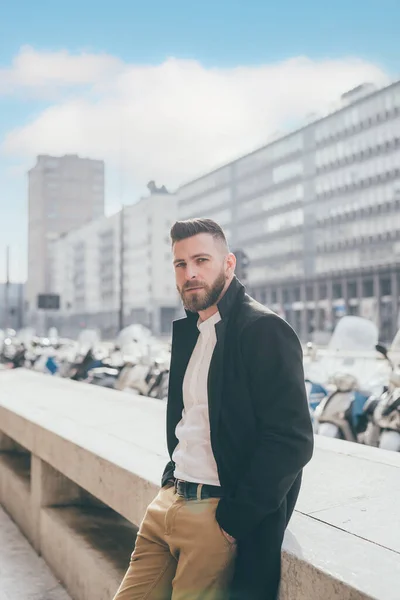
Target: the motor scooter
(340, 414)
(383, 412)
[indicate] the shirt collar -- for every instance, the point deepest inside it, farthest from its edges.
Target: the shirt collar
(209, 323)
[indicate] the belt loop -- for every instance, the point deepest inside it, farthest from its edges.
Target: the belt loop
(199, 488)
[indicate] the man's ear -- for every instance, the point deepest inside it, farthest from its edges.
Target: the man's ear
(231, 262)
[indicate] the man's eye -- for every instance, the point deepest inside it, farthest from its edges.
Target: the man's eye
(201, 260)
(179, 265)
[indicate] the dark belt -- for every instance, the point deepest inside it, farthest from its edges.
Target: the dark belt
(195, 491)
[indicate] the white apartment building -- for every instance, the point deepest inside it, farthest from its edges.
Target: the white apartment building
(63, 193)
(86, 271)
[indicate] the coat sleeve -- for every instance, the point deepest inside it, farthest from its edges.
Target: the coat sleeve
(274, 363)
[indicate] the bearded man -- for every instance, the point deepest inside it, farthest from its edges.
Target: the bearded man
(239, 434)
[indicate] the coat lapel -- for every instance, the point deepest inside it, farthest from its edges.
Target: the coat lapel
(215, 378)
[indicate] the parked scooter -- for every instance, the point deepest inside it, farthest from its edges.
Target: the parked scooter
(383, 412)
(315, 394)
(340, 414)
(145, 380)
(104, 376)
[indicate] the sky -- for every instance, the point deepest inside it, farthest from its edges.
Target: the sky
(168, 90)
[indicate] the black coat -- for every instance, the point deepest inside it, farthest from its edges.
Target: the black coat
(261, 432)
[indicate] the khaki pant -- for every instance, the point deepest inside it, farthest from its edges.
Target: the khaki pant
(180, 553)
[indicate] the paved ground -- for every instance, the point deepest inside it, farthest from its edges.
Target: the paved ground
(23, 575)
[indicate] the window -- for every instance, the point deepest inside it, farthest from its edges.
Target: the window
(337, 291)
(222, 217)
(286, 220)
(270, 201)
(287, 171)
(203, 204)
(253, 162)
(368, 288)
(254, 184)
(205, 184)
(386, 287)
(352, 289)
(323, 291)
(273, 152)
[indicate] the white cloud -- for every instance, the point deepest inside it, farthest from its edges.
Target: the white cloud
(39, 73)
(171, 121)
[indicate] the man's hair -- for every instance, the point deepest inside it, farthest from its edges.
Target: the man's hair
(182, 230)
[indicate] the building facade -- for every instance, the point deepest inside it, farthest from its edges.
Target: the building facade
(11, 306)
(89, 261)
(63, 193)
(317, 213)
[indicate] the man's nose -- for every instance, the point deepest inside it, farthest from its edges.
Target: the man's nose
(190, 272)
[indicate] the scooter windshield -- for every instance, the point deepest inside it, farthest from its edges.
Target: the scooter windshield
(354, 334)
(352, 350)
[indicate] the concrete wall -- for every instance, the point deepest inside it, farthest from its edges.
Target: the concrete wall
(79, 465)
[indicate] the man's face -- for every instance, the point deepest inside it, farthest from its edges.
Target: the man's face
(202, 269)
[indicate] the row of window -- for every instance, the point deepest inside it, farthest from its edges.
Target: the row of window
(274, 271)
(356, 259)
(223, 217)
(355, 175)
(363, 227)
(371, 197)
(276, 247)
(381, 105)
(287, 220)
(270, 201)
(375, 138)
(287, 171)
(265, 179)
(253, 185)
(204, 203)
(269, 154)
(205, 184)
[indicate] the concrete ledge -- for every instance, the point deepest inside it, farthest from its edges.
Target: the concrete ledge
(89, 443)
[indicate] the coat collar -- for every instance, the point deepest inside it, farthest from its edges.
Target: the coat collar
(235, 290)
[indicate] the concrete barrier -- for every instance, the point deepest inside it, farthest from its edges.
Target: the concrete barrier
(79, 465)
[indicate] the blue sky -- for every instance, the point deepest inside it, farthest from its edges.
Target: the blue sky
(221, 34)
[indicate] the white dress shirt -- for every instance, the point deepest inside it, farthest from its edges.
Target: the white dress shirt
(193, 456)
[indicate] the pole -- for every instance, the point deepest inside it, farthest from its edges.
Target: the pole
(20, 306)
(7, 289)
(121, 270)
(121, 231)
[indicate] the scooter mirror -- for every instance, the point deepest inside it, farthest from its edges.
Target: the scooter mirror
(382, 350)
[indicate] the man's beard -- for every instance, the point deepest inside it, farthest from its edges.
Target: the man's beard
(204, 298)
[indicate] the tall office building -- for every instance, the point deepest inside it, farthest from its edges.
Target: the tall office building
(317, 213)
(64, 193)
